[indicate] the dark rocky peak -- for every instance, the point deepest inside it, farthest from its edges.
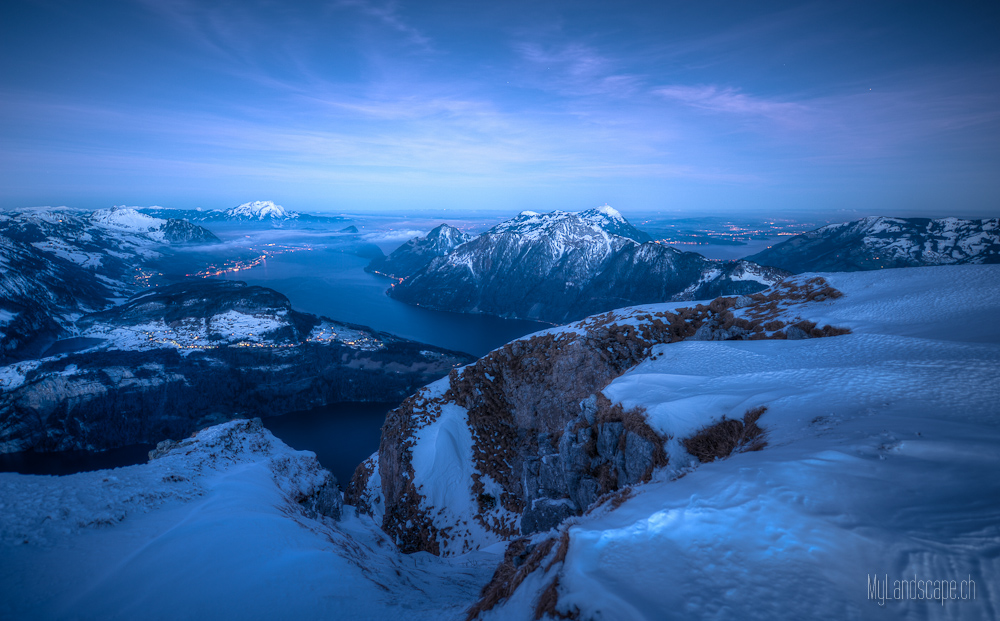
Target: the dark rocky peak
(418, 252)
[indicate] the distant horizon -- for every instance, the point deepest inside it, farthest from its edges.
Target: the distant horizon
(843, 215)
(774, 108)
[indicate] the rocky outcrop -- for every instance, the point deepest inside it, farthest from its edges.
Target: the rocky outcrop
(524, 437)
(878, 243)
(562, 266)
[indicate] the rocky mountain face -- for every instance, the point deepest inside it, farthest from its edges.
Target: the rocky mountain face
(878, 242)
(59, 264)
(177, 358)
(562, 266)
(524, 437)
(418, 252)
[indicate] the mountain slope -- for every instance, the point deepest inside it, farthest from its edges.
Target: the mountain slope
(562, 266)
(523, 436)
(879, 242)
(174, 358)
(881, 449)
(881, 460)
(418, 252)
(59, 264)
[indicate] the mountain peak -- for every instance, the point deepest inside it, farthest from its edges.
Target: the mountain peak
(126, 219)
(259, 210)
(606, 211)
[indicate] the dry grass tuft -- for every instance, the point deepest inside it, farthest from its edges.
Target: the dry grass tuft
(722, 439)
(549, 600)
(519, 560)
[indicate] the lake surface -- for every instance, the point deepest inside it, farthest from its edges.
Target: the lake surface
(341, 434)
(334, 284)
(71, 462)
(72, 345)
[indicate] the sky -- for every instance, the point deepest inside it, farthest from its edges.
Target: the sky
(694, 108)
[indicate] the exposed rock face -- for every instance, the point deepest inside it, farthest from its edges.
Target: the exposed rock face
(176, 358)
(877, 242)
(58, 264)
(523, 437)
(563, 266)
(409, 258)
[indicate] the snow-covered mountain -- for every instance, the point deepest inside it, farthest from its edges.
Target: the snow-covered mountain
(562, 266)
(878, 242)
(878, 459)
(166, 230)
(260, 210)
(253, 212)
(418, 252)
(59, 264)
(174, 357)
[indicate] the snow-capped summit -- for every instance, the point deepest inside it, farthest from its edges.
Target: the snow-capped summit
(260, 210)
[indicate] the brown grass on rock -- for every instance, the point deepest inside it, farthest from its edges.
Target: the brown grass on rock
(519, 560)
(548, 603)
(722, 439)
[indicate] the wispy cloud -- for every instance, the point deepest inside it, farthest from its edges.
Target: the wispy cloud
(729, 101)
(387, 14)
(576, 69)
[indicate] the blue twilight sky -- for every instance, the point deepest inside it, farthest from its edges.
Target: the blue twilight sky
(697, 108)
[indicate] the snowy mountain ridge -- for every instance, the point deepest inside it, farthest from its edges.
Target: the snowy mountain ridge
(879, 242)
(563, 266)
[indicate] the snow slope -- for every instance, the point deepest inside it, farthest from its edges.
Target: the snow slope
(882, 461)
(210, 530)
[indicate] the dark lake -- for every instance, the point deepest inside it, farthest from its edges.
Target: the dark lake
(71, 345)
(71, 462)
(334, 284)
(341, 434)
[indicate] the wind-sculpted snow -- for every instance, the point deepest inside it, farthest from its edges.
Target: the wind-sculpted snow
(524, 437)
(878, 243)
(880, 460)
(230, 523)
(563, 266)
